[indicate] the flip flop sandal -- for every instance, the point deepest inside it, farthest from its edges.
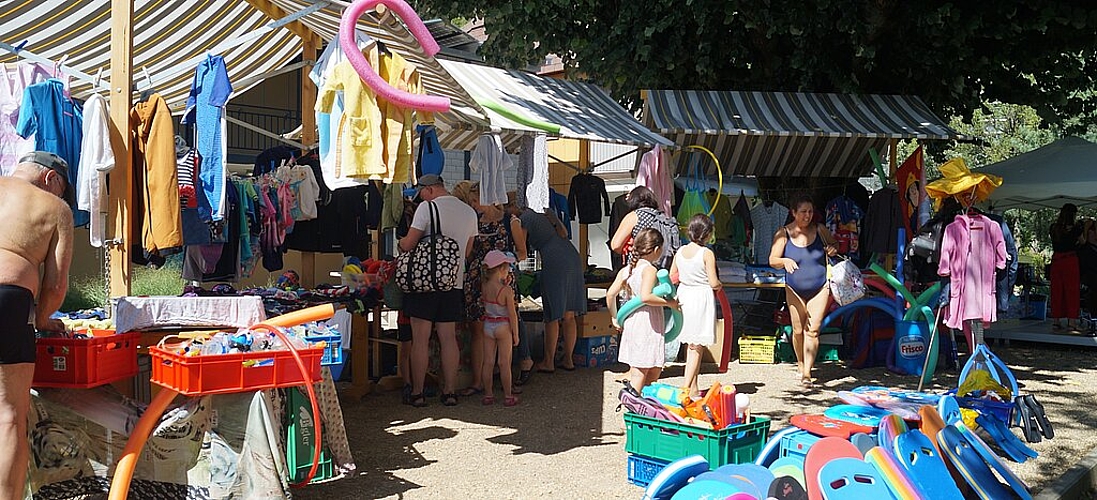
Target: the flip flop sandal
(523, 377)
(1041, 417)
(449, 399)
(1029, 427)
(510, 401)
(470, 391)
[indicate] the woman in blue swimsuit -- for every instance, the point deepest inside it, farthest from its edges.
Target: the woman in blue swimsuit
(801, 249)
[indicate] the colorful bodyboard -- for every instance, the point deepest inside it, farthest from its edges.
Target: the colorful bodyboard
(893, 474)
(890, 427)
(868, 416)
(740, 484)
(917, 455)
(791, 467)
(822, 453)
(863, 442)
(931, 425)
(995, 462)
(674, 476)
(949, 409)
(971, 466)
(822, 425)
(705, 489)
(757, 475)
(846, 478)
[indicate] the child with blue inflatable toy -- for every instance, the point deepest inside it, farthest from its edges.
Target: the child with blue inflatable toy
(642, 332)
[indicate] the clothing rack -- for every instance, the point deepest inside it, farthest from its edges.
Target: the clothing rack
(73, 72)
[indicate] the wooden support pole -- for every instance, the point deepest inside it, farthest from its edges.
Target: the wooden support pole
(308, 138)
(119, 184)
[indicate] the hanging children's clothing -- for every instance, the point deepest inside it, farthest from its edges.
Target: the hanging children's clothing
(329, 121)
(155, 177)
(843, 219)
(431, 159)
(655, 174)
(722, 212)
(358, 141)
(209, 92)
(972, 247)
(14, 80)
(57, 124)
(490, 160)
(767, 218)
(399, 121)
(96, 159)
(584, 197)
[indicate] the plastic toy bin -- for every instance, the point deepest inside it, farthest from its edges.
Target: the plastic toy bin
(229, 373)
(641, 470)
(668, 441)
(80, 363)
(333, 348)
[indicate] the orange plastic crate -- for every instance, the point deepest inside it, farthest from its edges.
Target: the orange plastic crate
(83, 363)
(227, 373)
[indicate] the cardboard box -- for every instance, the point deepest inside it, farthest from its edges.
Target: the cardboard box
(711, 353)
(593, 352)
(595, 324)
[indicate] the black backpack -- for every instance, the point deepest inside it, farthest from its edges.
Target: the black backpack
(924, 254)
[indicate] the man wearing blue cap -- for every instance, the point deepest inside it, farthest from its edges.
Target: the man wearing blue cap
(442, 310)
(36, 233)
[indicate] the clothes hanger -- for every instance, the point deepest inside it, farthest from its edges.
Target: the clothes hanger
(149, 89)
(383, 49)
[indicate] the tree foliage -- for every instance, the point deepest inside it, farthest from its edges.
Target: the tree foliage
(955, 55)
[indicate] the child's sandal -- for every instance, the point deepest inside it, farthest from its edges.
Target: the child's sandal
(510, 401)
(487, 400)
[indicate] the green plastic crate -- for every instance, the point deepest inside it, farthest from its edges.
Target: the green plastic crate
(670, 441)
(786, 355)
(300, 440)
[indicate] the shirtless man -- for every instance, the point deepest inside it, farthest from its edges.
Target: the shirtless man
(35, 251)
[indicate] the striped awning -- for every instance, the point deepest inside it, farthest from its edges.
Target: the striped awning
(170, 36)
(790, 134)
(582, 110)
(166, 33)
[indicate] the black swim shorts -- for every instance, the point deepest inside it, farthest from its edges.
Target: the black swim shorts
(16, 325)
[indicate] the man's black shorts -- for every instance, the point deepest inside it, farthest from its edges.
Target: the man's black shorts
(16, 325)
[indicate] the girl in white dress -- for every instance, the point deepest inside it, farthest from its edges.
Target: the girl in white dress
(695, 267)
(642, 346)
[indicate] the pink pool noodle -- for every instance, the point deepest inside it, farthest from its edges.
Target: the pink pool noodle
(395, 96)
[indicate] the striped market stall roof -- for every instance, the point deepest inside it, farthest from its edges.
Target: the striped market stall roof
(790, 134)
(582, 110)
(166, 33)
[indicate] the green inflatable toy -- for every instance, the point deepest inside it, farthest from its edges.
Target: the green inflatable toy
(665, 289)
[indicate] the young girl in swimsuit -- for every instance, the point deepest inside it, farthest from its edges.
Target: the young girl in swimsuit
(642, 346)
(500, 326)
(800, 249)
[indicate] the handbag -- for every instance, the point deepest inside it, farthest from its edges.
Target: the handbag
(432, 265)
(845, 280)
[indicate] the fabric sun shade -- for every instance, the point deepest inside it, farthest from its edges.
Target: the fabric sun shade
(1064, 171)
(790, 133)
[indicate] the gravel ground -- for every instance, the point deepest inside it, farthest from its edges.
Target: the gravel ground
(565, 439)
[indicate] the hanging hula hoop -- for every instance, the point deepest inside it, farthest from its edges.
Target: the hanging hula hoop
(719, 174)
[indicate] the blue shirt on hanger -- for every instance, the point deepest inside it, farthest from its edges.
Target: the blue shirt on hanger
(58, 127)
(209, 92)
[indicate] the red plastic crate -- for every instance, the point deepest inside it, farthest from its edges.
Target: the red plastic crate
(80, 363)
(227, 373)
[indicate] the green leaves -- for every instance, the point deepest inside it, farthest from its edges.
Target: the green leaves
(953, 55)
